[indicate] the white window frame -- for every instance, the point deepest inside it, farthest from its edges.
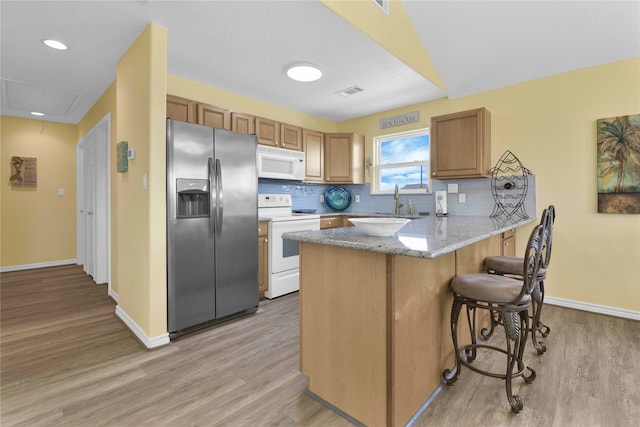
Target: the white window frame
(377, 167)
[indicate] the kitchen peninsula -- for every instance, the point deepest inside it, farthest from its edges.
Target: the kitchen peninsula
(374, 311)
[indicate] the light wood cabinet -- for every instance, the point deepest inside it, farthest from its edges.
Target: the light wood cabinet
(181, 109)
(344, 158)
(330, 222)
(263, 257)
(313, 147)
(346, 222)
(276, 134)
(509, 243)
(243, 123)
(461, 145)
(186, 110)
(290, 137)
(214, 117)
(268, 132)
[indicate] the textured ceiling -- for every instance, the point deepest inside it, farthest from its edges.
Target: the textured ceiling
(244, 47)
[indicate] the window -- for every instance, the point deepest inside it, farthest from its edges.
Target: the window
(402, 159)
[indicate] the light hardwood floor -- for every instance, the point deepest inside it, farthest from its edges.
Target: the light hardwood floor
(66, 360)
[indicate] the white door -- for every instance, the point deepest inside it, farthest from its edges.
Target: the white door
(80, 208)
(93, 203)
(101, 204)
(89, 202)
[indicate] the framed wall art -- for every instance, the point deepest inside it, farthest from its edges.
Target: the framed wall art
(619, 164)
(24, 171)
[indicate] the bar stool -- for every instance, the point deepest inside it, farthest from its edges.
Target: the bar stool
(512, 267)
(509, 299)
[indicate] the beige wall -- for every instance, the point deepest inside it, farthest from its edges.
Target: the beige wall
(37, 225)
(550, 125)
(140, 213)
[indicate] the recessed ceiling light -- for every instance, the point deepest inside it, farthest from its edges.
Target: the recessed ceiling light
(304, 73)
(55, 44)
(37, 113)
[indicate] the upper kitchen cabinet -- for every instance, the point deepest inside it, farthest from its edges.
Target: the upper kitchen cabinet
(344, 158)
(214, 117)
(268, 132)
(313, 144)
(290, 137)
(461, 145)
(181, 109)
(243, 123)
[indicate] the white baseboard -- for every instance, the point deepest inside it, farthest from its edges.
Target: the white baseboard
(154, 342)
(594, 308)
(113, 295)
(37, 265)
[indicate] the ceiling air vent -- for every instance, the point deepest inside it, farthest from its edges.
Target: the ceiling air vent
(383, 5)
(350, 91)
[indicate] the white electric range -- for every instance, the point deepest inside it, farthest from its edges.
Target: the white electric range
(284, 255)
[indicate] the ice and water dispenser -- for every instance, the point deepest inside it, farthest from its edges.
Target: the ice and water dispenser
(193, 198)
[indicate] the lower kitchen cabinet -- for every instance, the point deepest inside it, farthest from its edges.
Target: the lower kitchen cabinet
(509, 243)
(263, 257)
(345, 221)
(330, 222)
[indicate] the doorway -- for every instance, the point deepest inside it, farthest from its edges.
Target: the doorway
(93, 203)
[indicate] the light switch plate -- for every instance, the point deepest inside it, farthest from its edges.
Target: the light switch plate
(462, 198)
(452, 188)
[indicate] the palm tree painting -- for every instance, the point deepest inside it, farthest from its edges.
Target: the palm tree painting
(619, 165)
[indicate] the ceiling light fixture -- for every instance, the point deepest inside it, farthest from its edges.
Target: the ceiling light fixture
(55, 44)
(304, 72)
(37, 113)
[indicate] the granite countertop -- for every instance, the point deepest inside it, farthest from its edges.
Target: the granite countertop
(424, 237)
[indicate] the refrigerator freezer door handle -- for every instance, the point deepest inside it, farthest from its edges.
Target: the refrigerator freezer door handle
(219, 198)
(211, 174)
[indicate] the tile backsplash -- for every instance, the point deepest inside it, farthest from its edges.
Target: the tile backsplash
(479, 200)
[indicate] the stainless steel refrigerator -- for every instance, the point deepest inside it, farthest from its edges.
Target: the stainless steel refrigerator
(212, 228)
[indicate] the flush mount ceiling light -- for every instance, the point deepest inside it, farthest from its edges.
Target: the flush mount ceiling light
(304, 72)
(55, 44)
(37, 113)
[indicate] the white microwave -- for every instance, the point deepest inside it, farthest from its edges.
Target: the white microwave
(280, 163)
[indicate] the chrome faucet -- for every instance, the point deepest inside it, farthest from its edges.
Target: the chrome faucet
(396, 196)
